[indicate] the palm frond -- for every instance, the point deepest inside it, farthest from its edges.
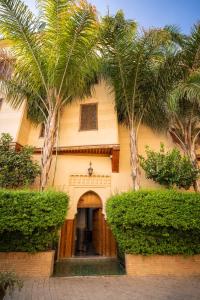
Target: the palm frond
(132, 63)
(19, 25)
(53, 15)
(61, 59)
(177, 36)
(78, 56)
(192, 48)
(189, 89)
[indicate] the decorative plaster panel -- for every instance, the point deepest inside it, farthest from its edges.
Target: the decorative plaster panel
(90, 181)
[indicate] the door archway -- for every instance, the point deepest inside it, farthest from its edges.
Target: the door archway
(90, 200)
(88, 234)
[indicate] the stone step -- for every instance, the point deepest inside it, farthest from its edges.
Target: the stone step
(88, 266)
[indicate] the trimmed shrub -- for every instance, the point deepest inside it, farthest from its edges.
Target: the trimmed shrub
(29, 221)
(156, 222)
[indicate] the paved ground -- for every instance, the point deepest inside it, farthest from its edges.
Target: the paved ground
(110, 288)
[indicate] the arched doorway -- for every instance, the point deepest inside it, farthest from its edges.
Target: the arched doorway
(88, 233)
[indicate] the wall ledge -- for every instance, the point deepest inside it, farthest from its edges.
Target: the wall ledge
(24, 264)
(162, 265)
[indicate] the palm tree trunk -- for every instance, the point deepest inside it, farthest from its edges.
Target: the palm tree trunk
(135, 174)
(191, 154)
(196, 186)
(49, 142)
(193, 158)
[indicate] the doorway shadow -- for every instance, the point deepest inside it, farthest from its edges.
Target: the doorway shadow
(86, 232)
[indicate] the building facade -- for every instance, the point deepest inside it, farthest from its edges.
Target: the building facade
(90, 140)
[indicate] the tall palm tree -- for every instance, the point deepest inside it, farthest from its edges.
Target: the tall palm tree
(178, 85)
(55, 60)
(131, 65)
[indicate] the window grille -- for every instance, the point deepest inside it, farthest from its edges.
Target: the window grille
(1, 102)
(42, 130)
(88, 119)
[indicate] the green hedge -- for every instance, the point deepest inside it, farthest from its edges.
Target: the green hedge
(29, 221)
(156, 222)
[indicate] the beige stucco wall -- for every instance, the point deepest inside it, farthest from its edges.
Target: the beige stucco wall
(67, 165)
(77, 165)
(70, 135)
(10, 120)
(71, 170)
(24, 129)
(146, 137)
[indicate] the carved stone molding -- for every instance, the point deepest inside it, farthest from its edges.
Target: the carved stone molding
(94, 180)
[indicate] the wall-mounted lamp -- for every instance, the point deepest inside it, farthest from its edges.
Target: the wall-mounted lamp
(90, 170)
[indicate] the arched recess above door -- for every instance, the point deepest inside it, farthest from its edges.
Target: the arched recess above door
(89, 200)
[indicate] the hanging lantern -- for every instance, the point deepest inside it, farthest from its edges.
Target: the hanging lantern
(90, 170)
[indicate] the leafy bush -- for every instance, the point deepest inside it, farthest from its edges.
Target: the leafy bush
(169, 168)
(16, 167)
(8, 281)
(156, 222)
(29, 221)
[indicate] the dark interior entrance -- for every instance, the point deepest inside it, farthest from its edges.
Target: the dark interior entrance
(87, 232)
(88, 228)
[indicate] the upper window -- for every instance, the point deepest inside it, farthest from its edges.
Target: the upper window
(1, 102)
(88, 120)
(42, 130)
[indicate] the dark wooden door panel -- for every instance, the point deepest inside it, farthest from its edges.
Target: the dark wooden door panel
(103, 239)
(109, 246)
(97, 231)
(67, 239)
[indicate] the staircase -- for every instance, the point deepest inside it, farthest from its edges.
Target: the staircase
(88, 266)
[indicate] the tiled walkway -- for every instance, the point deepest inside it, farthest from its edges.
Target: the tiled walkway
(110, 288)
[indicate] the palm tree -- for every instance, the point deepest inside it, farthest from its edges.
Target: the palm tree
(131, 65)
(55, 60)
(179, 86)
(184, 127)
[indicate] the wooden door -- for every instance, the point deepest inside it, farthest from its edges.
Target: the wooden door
(97, 231)
(109, 245)
(67, 239)
(103, 239)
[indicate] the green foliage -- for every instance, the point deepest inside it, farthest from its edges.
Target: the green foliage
(29, 221)
(52, 68)
(54, 59)
(170, 168)
(17, 169)
(156, 222)
(8, 281)
(178, 89)
(131, 62)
